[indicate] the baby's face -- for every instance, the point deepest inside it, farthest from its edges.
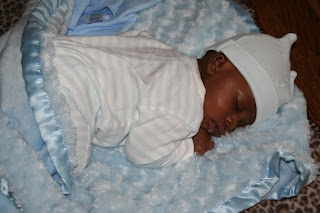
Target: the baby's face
(229, 102)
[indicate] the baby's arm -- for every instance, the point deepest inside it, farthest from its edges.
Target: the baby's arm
(202, 142)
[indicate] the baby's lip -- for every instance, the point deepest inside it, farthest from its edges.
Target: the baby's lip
(214, 129)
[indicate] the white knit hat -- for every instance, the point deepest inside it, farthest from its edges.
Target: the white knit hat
(264, 61)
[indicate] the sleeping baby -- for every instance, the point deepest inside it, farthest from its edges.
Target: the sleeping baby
(164, 106)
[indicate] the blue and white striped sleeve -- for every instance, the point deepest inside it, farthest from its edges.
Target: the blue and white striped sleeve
(158, 139)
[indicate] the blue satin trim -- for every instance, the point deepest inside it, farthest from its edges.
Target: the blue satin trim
(38, 98)
(285, 178)
(7, 205)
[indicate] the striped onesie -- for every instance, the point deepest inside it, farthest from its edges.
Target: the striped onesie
(130, 90)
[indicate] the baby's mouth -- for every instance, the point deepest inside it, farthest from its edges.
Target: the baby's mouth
(213, 128)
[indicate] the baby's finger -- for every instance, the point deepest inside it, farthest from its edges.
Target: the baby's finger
(202, 151)
(210, 145)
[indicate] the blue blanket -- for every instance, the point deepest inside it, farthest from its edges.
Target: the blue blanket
(105, 17)
(270, 161)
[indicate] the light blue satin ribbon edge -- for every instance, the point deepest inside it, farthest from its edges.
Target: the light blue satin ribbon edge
(263, 189)
(38, 98)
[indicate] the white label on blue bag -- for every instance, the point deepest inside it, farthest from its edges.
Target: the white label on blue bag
(96, 17)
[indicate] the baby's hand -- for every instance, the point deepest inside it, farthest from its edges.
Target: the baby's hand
(202, 142)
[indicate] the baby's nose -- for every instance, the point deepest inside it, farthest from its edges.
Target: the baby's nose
(232, 122)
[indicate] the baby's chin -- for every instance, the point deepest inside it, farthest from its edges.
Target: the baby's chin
(217, 135)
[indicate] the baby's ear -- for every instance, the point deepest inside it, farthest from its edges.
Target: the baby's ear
(217, 60)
